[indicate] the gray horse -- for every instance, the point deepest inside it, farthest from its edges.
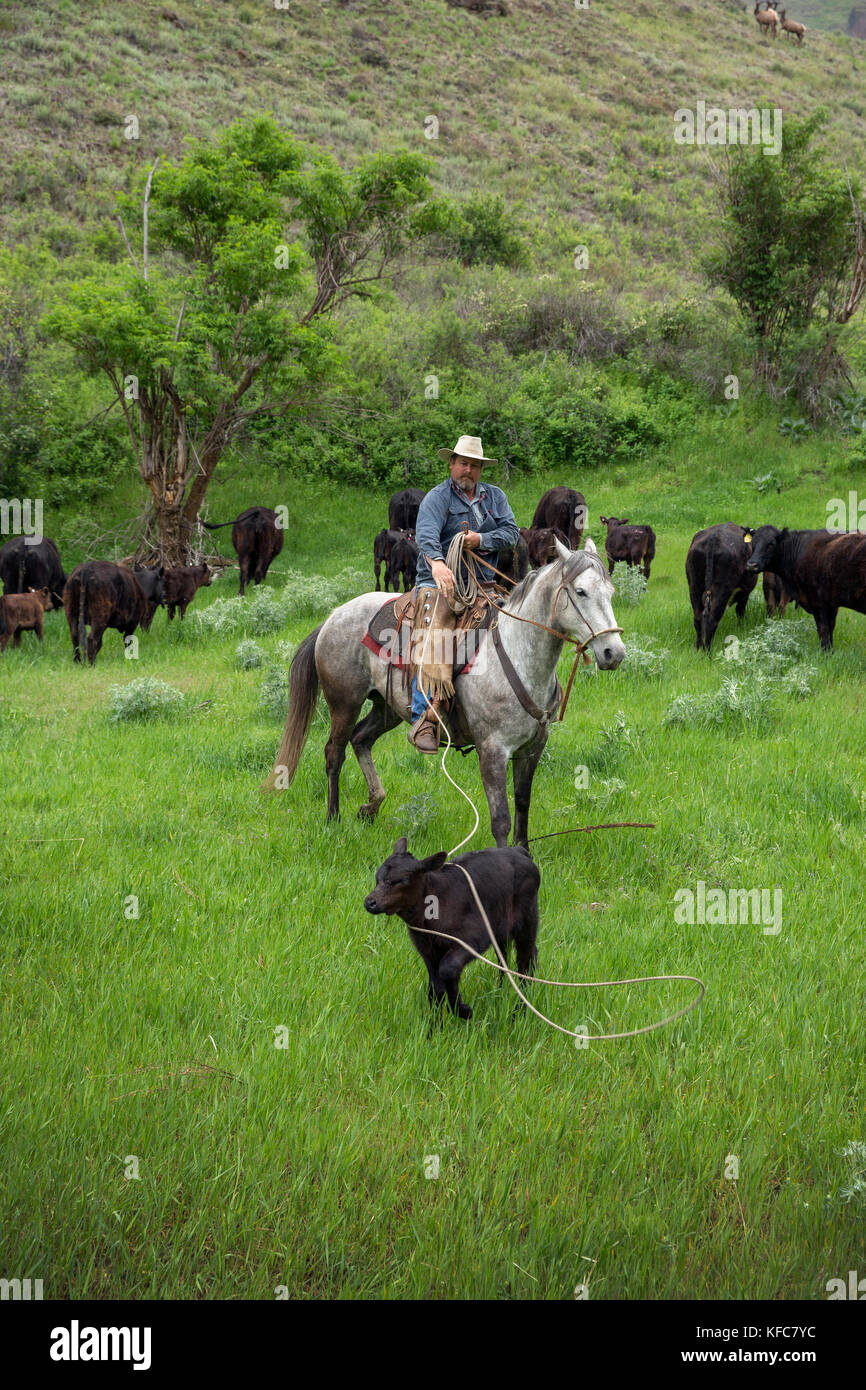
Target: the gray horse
(572, 594)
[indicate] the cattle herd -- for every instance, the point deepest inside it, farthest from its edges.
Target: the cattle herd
(821, 570)
(100, 594)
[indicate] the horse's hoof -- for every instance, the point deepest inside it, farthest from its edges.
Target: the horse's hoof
(368, 811)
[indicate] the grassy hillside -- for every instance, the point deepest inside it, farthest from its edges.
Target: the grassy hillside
(566, 112)
(152, 1037)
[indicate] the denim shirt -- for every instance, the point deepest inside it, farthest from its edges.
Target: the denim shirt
(443, 513)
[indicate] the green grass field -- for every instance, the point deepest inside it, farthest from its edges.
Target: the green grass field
(153, 1037)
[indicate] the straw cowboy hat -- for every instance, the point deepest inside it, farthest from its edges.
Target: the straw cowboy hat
(468, 447)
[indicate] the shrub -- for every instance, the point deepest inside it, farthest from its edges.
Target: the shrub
(274, 692)
(144, 698)
(630, 583)
(643, 659)
(249, 655)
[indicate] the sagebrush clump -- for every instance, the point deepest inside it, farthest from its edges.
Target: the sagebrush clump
(144, 698)
(629, 582)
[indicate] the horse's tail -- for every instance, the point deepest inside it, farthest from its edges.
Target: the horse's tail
(217, 525)
(303, 697)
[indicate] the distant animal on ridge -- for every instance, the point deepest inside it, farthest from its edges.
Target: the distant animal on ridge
(257, 539)
(767, 19)
(792, 26)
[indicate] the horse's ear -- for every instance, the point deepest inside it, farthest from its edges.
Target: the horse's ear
(399, 846)
(562, 550)
(589, 544)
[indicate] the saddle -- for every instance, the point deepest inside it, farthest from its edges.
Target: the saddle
(390, 632)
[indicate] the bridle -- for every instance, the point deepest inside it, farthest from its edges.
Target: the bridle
(579, 647)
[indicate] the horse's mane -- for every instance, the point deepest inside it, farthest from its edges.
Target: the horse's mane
(577, 562)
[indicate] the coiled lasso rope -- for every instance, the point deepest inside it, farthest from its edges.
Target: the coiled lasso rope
(455, 551)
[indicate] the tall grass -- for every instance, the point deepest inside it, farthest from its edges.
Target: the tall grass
(194, 993)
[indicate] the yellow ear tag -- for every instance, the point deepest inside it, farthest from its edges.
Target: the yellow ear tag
(748, 536)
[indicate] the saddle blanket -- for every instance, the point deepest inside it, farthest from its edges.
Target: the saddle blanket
(393, 642)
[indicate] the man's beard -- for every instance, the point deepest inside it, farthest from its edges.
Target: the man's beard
(465, 484)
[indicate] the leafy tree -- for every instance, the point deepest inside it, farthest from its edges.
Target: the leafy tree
(483, 232)
(228, 323)
(791, 253)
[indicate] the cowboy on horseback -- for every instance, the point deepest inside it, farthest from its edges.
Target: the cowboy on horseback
(482, 512)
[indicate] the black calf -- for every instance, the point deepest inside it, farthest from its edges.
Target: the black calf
(434, 895)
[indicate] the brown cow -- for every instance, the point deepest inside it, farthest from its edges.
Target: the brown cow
(104, 595)
(22, 613)
(258, 539)
(565, 508)
(823, 570)
(182, 585)
(540, 544)
(636, 545)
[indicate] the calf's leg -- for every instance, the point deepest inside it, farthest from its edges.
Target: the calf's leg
(451, 967)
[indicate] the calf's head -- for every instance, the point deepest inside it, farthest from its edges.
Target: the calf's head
(401, 879)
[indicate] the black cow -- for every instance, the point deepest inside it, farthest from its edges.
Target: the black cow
(636, 545)
(257, 539)
(565, 508)
(152, 583)
(403, 509)
(102, 595)
(716, 569)
(823, 570)
(513, 561)
(382, 547)
(506, 881)
(776, 596)
(403, 563)
(540, 544)
(24, 567)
